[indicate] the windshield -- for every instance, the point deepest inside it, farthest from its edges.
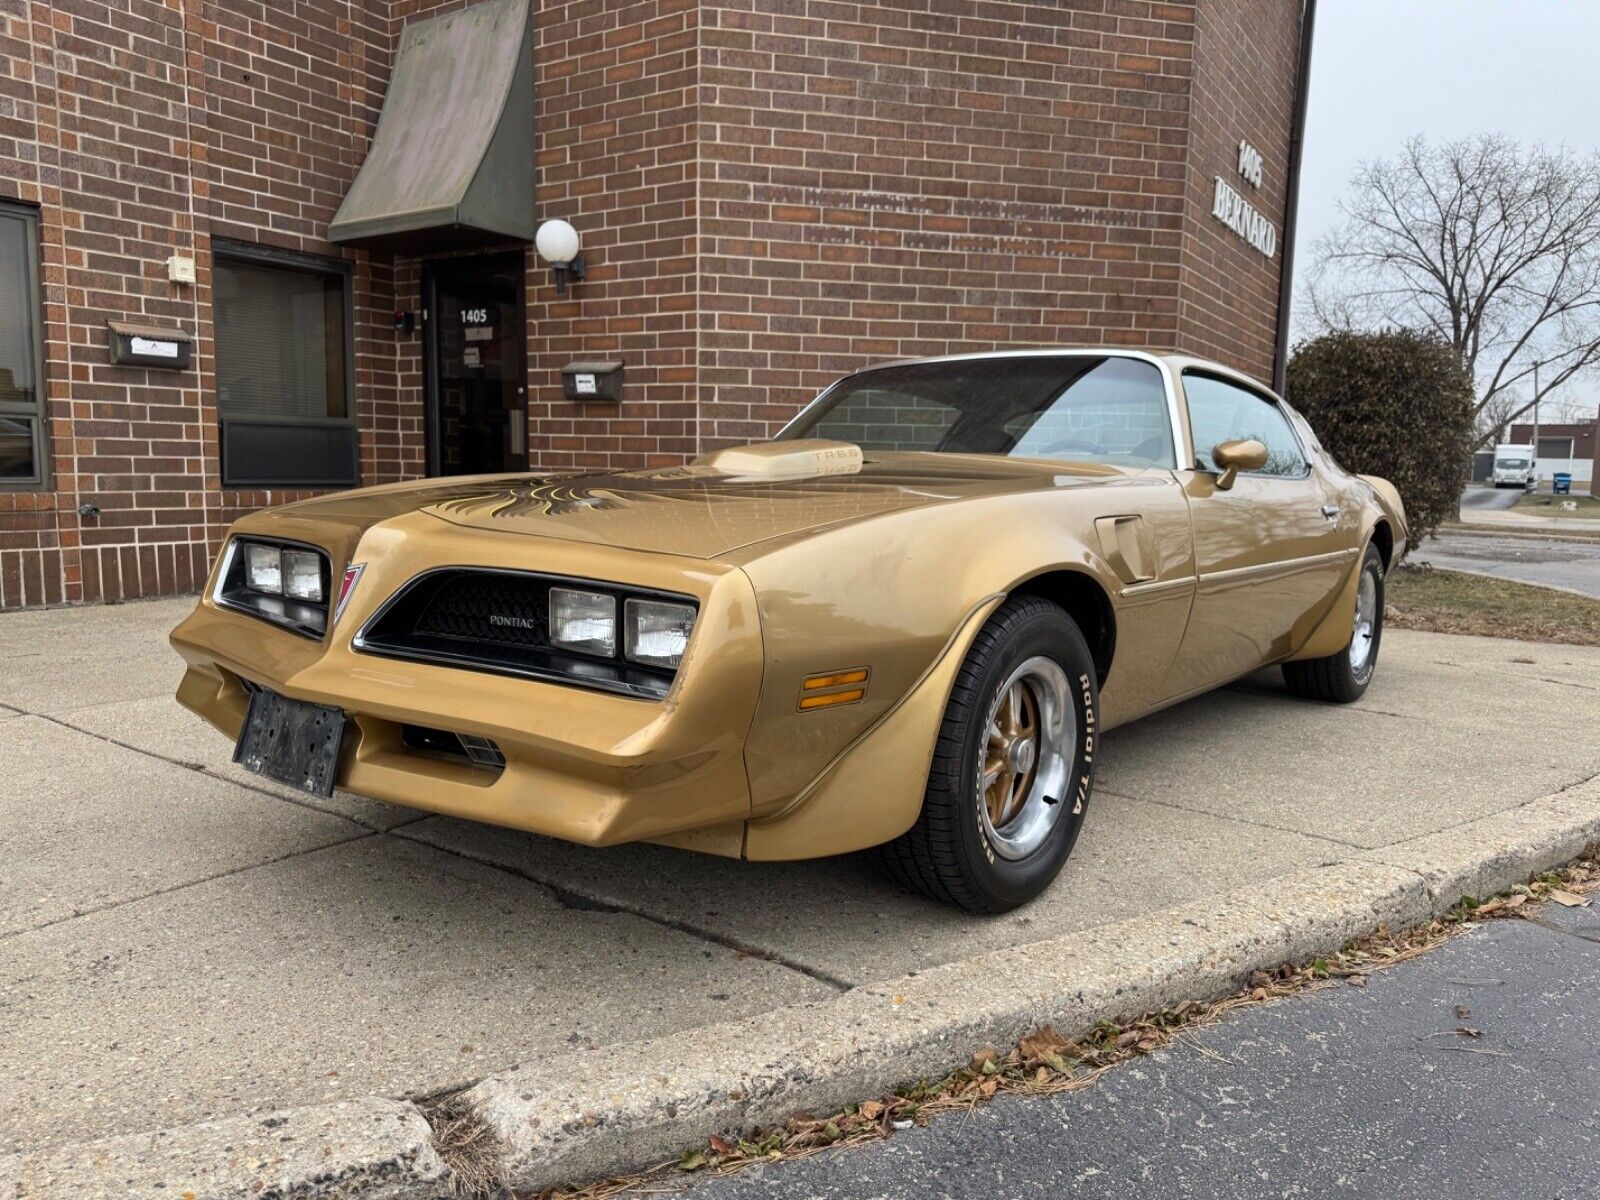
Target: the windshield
(1088, 408)
(1514, 463)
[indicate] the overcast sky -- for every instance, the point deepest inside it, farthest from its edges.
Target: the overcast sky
(1385, 69)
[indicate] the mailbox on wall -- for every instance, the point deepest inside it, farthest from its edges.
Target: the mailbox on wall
(150, 346)
(592, 381)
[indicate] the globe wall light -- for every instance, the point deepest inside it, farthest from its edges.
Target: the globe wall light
(559, 245)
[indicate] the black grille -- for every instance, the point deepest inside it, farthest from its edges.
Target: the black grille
(499, 609)
(463, 747)
(492, 620)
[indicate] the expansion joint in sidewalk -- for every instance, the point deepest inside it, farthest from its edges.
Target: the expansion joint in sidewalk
(189, 883)
(202, 769)
(569, 897)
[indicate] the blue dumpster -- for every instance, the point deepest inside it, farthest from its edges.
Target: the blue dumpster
(1562, 481)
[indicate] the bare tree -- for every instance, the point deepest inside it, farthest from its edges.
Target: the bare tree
(1493, 247)
(1494, 416)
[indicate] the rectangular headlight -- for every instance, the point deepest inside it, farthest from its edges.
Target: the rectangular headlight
(263, 568)
(583, 621)
(658, 632)
(302, 575)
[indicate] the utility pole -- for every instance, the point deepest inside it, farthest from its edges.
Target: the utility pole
(1536, 424)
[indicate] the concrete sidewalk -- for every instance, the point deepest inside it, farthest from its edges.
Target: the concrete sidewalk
(181, 941)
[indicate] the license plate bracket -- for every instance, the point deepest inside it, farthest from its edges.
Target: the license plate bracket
(294, 742)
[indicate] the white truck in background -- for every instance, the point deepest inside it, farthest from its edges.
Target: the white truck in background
(1514, 466)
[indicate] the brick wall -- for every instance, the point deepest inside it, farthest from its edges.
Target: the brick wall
(143, 128)
(770, 193)
(1245, 61)
(930, 176)
(618, 144)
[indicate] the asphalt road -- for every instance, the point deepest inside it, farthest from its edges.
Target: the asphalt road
(1347, 1092)
(1526, 558)
(1489, 499)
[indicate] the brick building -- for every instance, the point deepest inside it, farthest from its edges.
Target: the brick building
(769, 193)
(1572, 448)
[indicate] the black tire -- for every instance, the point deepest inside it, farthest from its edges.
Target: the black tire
(949, 855)
(1337, 678)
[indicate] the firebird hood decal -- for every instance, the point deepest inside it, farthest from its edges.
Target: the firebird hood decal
(699, 511)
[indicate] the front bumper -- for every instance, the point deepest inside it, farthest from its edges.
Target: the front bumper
(586, 766)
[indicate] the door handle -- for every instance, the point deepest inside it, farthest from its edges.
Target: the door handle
(1331, 511)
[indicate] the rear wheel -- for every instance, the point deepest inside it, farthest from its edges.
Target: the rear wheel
(1344, 676)
(1013, 767)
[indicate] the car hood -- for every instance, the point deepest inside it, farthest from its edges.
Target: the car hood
(709, 507)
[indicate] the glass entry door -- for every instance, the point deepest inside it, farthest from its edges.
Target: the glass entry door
(477, 370)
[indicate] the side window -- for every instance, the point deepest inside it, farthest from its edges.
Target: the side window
(21, 393)
(1220, 411)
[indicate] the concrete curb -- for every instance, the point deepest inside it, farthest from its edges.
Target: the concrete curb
(589, 1115)
(597, 1114)
(1555, 532)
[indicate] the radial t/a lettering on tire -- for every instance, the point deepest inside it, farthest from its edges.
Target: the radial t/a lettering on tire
(1013, 767)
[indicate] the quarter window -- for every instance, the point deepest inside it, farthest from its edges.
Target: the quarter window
(1220, 411)
(21, 350)
(284, 371)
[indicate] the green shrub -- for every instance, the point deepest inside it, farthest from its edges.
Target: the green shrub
(1396, 404)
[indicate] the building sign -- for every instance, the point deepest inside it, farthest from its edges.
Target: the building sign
(1237, 213)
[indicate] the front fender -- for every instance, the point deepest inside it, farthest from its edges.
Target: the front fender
(872, 792)
(901, 596)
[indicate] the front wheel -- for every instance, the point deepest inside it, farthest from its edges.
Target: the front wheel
(1013, 766)
(1344, 676)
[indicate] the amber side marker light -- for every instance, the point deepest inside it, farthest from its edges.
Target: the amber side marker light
(834, 687)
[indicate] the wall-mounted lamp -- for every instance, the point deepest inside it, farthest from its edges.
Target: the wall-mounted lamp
(559, 245)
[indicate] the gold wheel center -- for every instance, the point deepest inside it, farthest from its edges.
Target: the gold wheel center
(1011, 753)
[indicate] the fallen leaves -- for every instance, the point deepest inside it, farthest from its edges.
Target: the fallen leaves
(1567, 899)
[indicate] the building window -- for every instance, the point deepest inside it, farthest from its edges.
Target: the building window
(285, 370)
(22, 459)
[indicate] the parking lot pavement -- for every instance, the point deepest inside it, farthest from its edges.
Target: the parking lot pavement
(1527, 558)
(179, 940)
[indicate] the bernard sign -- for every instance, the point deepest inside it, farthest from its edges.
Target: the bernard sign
(1237, 213)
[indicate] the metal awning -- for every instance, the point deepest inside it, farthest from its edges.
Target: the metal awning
(451, 163)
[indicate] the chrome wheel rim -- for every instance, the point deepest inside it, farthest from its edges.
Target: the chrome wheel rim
(1024, 758)
(1366, 625)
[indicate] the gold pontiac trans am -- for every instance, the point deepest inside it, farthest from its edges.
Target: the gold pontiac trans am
(904, 623)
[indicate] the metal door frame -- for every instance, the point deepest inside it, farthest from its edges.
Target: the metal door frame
(451, 266)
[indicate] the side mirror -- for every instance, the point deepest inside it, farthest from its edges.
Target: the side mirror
(1241, 454)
